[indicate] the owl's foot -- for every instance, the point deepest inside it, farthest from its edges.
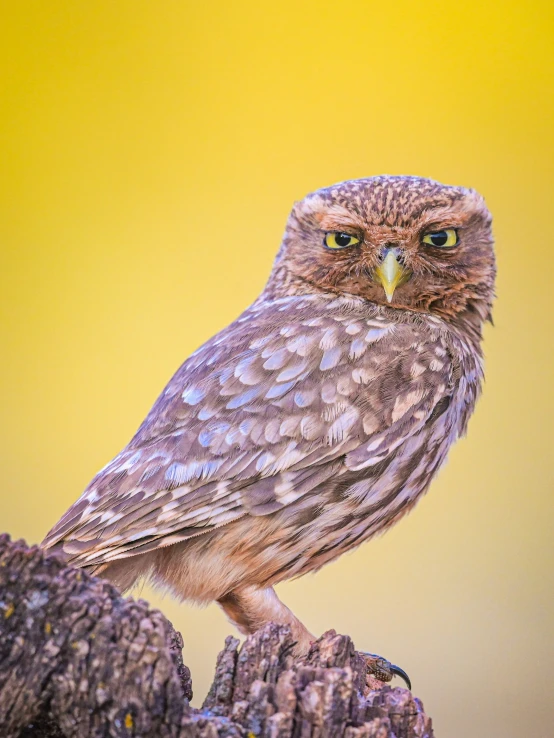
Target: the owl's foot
(383, 670)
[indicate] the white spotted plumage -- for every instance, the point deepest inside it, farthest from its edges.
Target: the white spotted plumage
(258, 425)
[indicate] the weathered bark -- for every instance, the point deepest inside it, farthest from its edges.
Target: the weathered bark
(77, 660)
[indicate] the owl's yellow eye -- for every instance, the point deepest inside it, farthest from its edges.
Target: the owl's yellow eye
(338, 240)
(442, 239)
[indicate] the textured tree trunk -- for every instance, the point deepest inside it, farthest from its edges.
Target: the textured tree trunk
(78, 660)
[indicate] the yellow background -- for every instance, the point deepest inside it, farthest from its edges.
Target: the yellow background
(150, 154)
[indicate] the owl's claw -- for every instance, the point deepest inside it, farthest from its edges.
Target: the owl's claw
(383, 670)
(397, 671)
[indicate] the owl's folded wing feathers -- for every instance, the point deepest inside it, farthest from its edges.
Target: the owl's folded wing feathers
(277, 404)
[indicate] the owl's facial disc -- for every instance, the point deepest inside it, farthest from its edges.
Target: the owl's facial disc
(390, 272)
(405, 242)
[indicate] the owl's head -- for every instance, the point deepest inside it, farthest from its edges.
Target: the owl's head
(406, 242)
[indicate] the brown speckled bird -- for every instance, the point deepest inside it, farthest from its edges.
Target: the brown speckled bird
(315, 420)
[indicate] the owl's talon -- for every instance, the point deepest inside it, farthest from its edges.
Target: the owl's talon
(383, 670)
(397, 671)
(289, 649)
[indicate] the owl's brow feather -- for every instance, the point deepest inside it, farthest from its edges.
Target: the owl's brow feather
(330, 221)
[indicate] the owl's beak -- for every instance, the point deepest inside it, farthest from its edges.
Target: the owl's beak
(390, 272)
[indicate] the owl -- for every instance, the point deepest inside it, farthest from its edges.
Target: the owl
(317, 418)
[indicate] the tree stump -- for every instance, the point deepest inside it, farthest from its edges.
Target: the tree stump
(77, 660)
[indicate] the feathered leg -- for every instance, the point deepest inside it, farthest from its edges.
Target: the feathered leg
(251, 608)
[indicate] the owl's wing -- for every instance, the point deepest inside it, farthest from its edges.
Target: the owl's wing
(291, 395)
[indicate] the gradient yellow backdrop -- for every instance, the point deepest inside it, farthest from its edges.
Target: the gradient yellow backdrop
(150, 152)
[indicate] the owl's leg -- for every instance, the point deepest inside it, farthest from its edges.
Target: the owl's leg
(251, 608)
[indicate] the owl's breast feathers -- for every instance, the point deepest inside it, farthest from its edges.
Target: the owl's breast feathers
(302, 403)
